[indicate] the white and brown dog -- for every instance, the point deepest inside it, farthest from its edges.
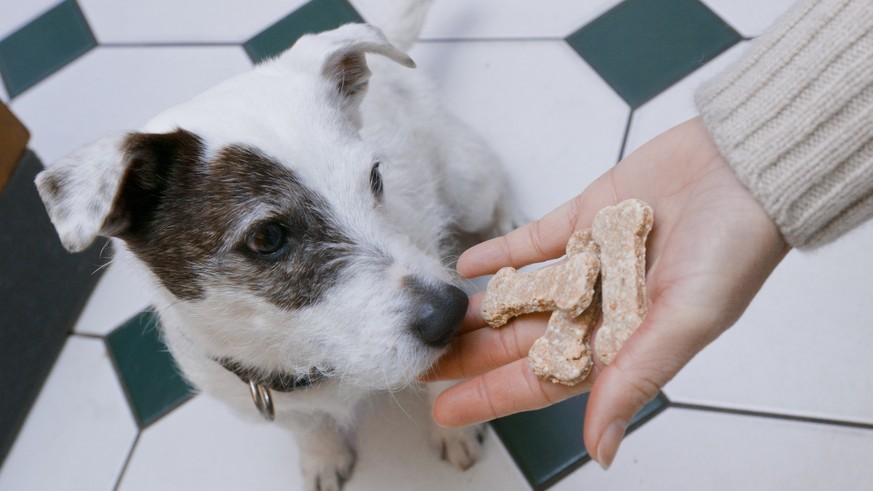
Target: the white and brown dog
(297, 232)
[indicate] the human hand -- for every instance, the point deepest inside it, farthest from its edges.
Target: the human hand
(711, 249)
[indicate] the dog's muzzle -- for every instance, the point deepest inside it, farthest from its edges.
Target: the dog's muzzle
(436, 310)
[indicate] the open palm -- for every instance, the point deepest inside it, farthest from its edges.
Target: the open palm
(711, 248)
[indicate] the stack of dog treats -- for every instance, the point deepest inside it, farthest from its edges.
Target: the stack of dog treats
(604, 274)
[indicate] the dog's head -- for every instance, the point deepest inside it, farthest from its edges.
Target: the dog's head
(261, 210)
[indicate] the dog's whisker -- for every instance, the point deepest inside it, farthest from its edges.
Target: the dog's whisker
(392, 394)
(103, 255)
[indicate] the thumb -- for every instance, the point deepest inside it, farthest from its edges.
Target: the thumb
(661, 346)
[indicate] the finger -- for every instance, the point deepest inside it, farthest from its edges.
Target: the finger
(506, 390)
(473, 317)
(539, 240)
(647, 361)
(479, 351)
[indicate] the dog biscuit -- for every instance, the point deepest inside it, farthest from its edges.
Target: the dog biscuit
(620, 232)
(567, 286)
(561, 355)
(613, 250)
(581, 241)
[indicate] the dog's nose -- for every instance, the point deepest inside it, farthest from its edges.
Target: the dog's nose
(437, 310)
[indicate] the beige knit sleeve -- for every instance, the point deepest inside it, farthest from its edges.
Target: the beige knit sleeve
(794, 117)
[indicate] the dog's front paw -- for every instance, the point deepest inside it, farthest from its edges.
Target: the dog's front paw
(328, 470)
(460, 446)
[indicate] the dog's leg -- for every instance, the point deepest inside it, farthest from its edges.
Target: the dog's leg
(327, 457)
(460, 446)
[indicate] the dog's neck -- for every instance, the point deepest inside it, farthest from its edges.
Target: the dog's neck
(278, 381)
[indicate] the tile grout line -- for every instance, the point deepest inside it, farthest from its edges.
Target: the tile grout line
(771, 415)
(90, 42)
(127, 460)
(627, 126)
(586, 458)
(87, 335)
(190, 44)
(536, 39)
(171, 44)
(97, 272)
(120, 379)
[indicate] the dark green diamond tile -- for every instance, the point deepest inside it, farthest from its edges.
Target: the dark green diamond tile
(547, 444)
(44, 46)
(641, 47)
(148, 372)
(315, 16)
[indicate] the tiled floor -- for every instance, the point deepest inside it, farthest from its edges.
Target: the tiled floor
(561, 89)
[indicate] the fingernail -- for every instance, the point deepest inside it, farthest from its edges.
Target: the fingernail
(609, 442)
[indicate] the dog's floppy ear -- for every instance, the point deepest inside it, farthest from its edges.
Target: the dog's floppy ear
(339, 57)
(79, 190)
(102, 188)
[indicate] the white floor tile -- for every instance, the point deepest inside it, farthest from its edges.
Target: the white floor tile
(192, 21)
(203, 445)
(120, 294)
(118, 89)
(803, 346)
(555, 124)
(675, 104)
(462, 19)
(749, 17)
(80, 430)
(396, 453)
(682, 449)
(16, 14)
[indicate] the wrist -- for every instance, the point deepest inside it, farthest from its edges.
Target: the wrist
(793, 120)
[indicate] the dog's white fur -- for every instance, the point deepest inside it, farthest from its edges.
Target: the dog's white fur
(438, 175)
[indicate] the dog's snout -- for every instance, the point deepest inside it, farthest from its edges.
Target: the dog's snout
(437, 310)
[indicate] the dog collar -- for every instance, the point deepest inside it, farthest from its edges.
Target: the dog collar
(261, 387)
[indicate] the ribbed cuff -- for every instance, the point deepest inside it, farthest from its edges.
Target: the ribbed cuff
(794, 117)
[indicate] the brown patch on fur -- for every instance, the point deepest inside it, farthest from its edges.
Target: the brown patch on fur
(54, 185)
(179, 210)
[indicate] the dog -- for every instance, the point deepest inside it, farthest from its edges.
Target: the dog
(298, 222)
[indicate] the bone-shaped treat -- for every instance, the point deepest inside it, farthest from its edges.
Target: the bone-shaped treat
(581, 241)
(620, 231)
(567, 286)
(561, 354)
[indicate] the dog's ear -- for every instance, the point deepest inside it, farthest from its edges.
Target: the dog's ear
(79, 190)
(339, 55)
(106, 187)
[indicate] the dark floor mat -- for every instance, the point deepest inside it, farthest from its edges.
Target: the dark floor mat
(42, 291)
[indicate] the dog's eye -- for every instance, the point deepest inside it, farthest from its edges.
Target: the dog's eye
(376, 181)
(267, 239)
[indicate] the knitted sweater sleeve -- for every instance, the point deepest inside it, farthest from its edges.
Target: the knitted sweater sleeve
(794, 118)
